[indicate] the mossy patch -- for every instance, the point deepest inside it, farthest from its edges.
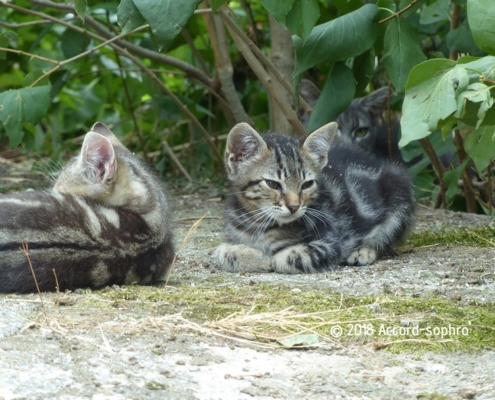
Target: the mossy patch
(269, 312)
(432, 396)
(477, 237)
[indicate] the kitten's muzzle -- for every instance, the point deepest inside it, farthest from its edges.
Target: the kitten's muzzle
(293, 208)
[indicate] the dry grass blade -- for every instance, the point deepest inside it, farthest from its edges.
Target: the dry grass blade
(25, 250)
(272, 326)
(188, 235)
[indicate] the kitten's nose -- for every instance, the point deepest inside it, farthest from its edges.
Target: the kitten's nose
(293, 208)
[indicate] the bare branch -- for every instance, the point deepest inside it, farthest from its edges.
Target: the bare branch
(190, 42)
(396, 14)
(176, 161)
(439, 168)
(240, 40)
(282, 56)
(24, 53)
(176, 100)
(262, 57)
(225, 70)
(131, 107)
(471, 206)
(24, 24)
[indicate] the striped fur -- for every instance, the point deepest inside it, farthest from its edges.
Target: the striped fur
(309, 208)
(105, 222)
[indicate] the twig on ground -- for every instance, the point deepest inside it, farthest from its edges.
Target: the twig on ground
(25, 249)
(191, 230)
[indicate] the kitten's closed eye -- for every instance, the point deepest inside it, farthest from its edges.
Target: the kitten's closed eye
(307, 184)
(273, 184)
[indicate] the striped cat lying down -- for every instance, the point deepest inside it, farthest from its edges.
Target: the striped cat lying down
(312, 207)
(105, 222)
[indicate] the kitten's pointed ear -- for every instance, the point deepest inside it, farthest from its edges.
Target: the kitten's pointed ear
(318, 143)
(98, 157)
(102, 129)
(376, 102)
(244, 145)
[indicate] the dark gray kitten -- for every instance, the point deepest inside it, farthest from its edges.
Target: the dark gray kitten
(106, 221)
(361, 123)
(308, 208)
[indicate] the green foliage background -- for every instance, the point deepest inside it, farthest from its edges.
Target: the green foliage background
(157, 72)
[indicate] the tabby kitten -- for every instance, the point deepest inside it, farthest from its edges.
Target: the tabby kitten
(361, 123)
(309, 208)
(106, 221)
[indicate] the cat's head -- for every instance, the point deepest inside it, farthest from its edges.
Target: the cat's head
(361, 121)
(102, 171)
(273, 174)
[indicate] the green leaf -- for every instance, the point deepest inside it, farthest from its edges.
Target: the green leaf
(11, 110)
(489, 117)
(460, 40)
(73, 43)
(432, 99)
(363, 68)
(167, 18)
(411, 11)
(128, 16)
(300, 340)
(58, 80)
(480, 146)
(302, 18)
(428, 69)
(80, 6)
(32, 76)
(451, 178)
(23, 105)
(436, 12)
(388, 5)
(481, 17)
(402, 52)
(347, 6)
(278, 8)
(475, 93)
(337, 40)
(4, 42)
(484, 66)
(335, 97)
(216, 4)
(35, 102)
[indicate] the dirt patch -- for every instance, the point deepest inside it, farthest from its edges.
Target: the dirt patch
(89, 345)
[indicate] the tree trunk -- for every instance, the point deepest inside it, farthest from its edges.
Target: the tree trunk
(282, 55)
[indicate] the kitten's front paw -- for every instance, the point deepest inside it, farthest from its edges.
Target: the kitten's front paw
(292, 260)
(362, 256)
(237, 258)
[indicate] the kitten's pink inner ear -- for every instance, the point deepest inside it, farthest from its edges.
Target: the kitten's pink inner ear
(99, 155)
(243, 143)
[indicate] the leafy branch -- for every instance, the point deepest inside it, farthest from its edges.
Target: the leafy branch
(112, 42)
(60, 64)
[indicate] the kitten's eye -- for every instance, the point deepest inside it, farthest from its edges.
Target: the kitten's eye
(272, 184)
(307, 185)
(361, 133)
